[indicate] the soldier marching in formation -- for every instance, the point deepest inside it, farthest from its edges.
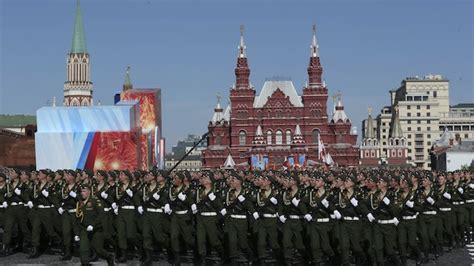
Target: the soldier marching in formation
(305, 217)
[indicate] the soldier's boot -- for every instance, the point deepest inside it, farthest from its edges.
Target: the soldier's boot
(147, 257)
(67, 255)
(6, 250)
(110, 261)
(123, 256)
(426, 258)
(404, 260)
(177, 259)
(34, 253)
(94, 257)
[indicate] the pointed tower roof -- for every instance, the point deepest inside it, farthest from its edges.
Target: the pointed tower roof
(396, 130)
(218, 115)
(259, 139)
(127, 84)
(339, 113)
(369, 134)
(78, 37)
(298, 137)
(314, 44)
(229, 162)
(227, 113)
(242, 47)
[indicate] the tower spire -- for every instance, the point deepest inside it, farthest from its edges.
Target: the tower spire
(242, 71)
(396, 130)
(127, 84)
(315, 71)
(370, 126)
(242, 47)
(314, 44)
(78, 37)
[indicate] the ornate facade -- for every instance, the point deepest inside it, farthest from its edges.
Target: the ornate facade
(279, 122)
(78, 86)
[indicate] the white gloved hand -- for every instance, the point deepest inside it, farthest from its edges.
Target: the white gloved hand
(61, 210)
(274, 200)
(18, 191)
(430, 200)
(140, 209)
(410, 203)
(194, 208)
(156, 196)
(72, 194)
(471, 186)
(241, 198)
(77, 239)
(168, 209)
(90, 228)
(295, 202)
(114, 206)
(396, 221)
(29, 204)
(212, 196)
(223, 212)
(370, 217)
(255, 215)
(181, 196)
(447, 195)
(325, 203)
(116, 211)
(5, 204)
(129, 192)
(45, 193)
(308, 217)
(461, 190)
(386, 201)
(337, 214)
(354, 202)
(282, 218)
(104, 195)
(332, 216)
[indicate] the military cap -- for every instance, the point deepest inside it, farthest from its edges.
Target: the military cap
(3, 175)
(127, 173)
(406, 179)
(350, 177)
(102, 173)
(112, 174)
(236, 175)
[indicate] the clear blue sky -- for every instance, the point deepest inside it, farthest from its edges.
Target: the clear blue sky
(189, 50)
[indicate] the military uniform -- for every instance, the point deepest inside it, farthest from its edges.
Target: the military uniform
(70, 196)
(155, 221)
(43, 216)
(91, 230)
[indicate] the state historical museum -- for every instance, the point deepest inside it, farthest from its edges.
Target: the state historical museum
(279, 125)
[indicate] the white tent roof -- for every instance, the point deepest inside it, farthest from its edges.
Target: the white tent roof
(229, 162)
(270, 86)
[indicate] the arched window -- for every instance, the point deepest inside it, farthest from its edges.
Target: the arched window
(269, 137)
(242, 137)
(279, 137)
(315, 135)
(288, 136)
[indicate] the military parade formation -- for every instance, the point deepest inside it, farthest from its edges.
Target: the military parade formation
(339, 216)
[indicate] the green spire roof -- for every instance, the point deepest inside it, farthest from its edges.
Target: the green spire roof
(78, 37)
(127, 81)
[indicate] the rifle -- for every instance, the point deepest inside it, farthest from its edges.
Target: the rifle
(204, 136)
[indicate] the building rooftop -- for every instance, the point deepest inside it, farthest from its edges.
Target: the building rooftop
(426, 78)
(463, 105)
(285, 86)
(17, 120)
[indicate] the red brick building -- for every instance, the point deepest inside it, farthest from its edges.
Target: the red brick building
(279, 123)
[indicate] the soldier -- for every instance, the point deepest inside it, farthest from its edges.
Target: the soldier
(180, 200)
(407, 215)
(208, 205)
(91, 231)
(458, 201)
(3, 200)
(154, 196)
(445, 215)
(349, 209)
(69, 198)
(426, 198)
(292, 211)
(44, 212)
(104, 192)
(124, 208)
(267, 206)
(320, 210)
(238, 204)
(16, 213)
